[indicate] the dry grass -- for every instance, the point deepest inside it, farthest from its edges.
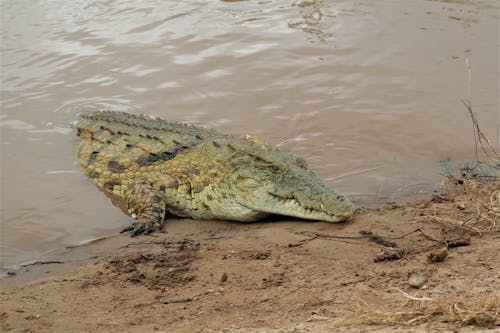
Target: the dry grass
(483, 196)
(485, 153)
(479, 182)
(481, 312)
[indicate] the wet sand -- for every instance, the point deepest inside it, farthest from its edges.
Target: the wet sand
(275, 276)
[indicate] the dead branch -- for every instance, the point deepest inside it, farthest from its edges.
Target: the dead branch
(382, 240)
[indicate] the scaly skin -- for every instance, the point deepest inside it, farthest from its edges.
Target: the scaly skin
(150, 167)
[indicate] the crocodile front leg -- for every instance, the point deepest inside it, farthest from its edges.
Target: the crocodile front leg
(146, 206)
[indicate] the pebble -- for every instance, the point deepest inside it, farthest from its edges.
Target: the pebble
(416, 280)
(439, 255)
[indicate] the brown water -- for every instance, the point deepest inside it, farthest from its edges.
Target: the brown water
(368, 91)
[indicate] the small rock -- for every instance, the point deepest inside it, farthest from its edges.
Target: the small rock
(461, 205)
(389, 253)
(416, 280)
(223, 278)
(495, 198)
(31, 317)
(458, 241)
(439, 255)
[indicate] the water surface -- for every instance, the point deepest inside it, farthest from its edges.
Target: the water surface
(367, 91)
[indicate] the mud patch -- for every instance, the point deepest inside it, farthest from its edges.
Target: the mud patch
(167, 266)
(255, 255)
(274, 280)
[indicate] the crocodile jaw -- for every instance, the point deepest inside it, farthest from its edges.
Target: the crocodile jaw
(272, 204)
(291, 207)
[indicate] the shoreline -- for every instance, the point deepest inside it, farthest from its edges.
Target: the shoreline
(94, 244)
(281, 276)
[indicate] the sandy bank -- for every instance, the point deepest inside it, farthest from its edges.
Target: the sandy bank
(285, 276)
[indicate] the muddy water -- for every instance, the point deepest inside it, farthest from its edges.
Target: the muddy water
(368, 91)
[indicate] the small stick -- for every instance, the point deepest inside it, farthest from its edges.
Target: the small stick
(302, 241)
(141, 243)
(318, 234)
(411, 321)
(42, 263)
(412, 297)
(177, 300)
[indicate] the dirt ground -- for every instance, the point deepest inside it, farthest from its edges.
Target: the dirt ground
(280, 276)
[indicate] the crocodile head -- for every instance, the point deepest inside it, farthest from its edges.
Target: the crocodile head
(279, 182)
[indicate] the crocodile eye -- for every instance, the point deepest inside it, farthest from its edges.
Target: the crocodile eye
(275, 168)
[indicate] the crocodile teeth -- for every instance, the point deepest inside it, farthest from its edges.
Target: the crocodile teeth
(322, 207)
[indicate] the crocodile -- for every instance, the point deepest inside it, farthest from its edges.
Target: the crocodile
(150, 167)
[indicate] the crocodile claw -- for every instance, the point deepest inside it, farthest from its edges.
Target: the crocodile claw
(140, 227)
